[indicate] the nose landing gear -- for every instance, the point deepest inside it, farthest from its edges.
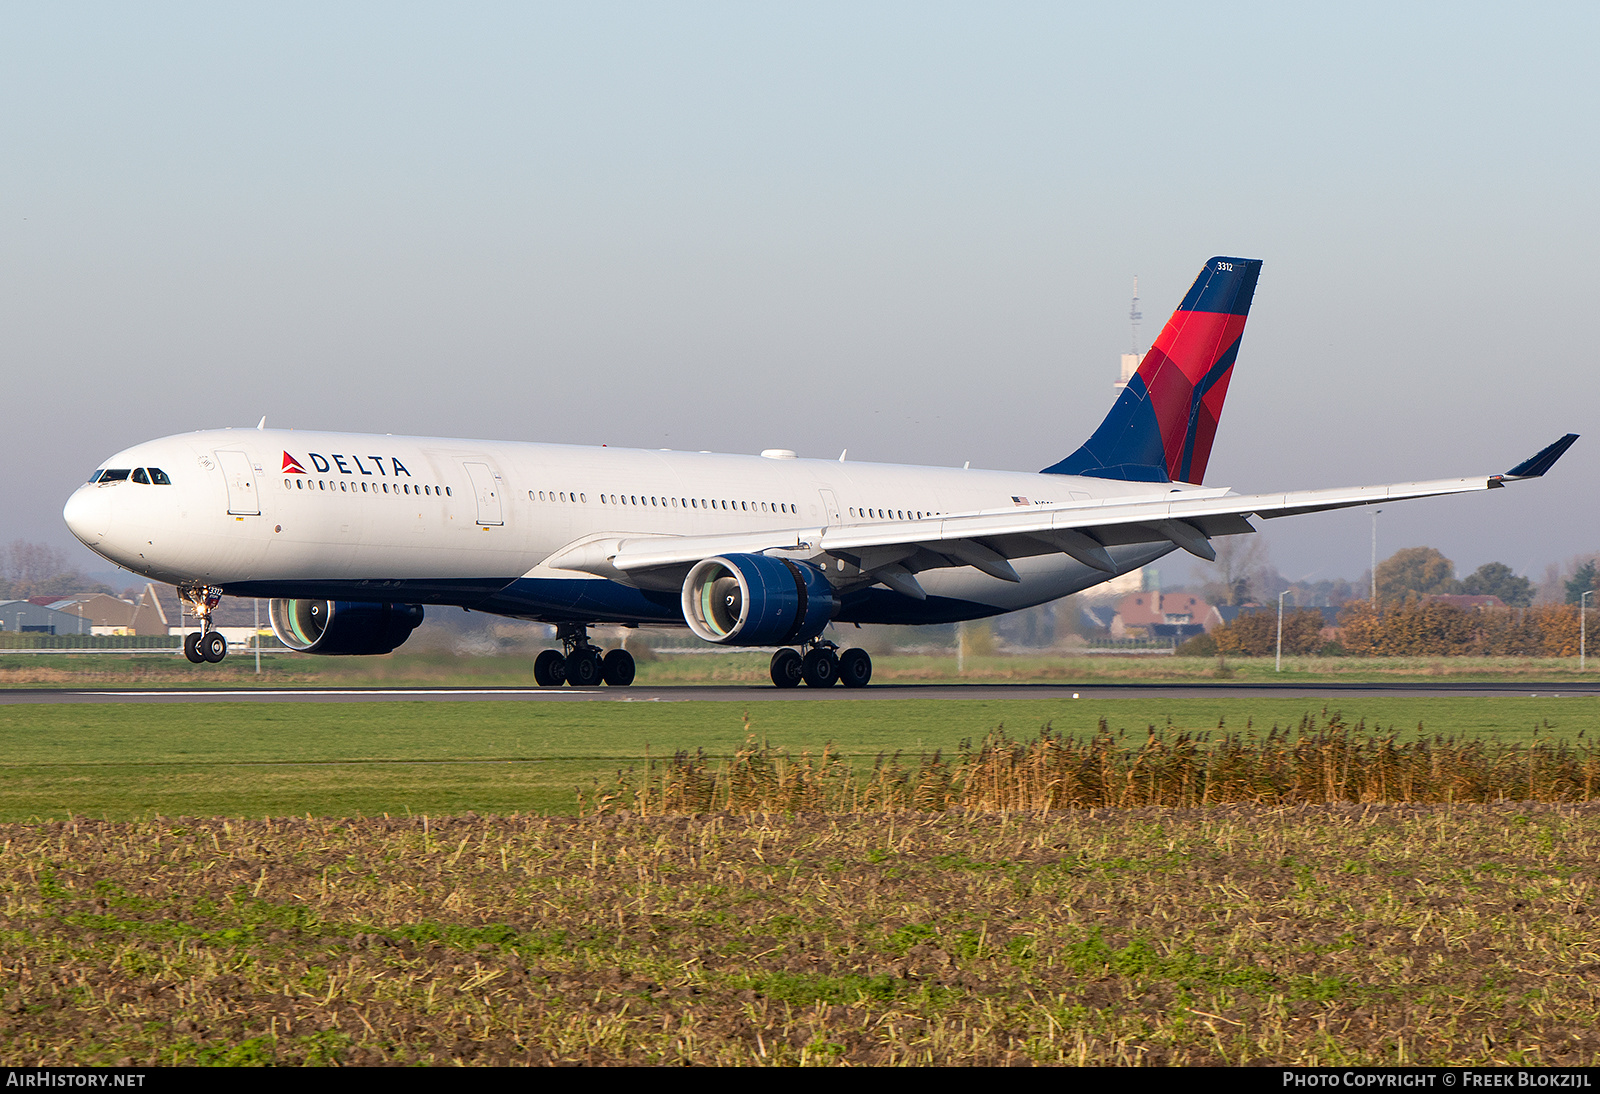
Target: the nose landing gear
(204, 645)
(582, 665)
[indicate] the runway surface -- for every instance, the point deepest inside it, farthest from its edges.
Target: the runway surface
(747, 694)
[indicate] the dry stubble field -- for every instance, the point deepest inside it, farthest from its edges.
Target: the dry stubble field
(1228, 935)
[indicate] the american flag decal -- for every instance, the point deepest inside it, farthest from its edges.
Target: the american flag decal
(1018, 501)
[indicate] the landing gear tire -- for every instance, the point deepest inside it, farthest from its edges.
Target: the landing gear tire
(819, 668)
(584, 669)
(213, 647)
(617, 668)
(855, 668)
(191, 647)
(786, 668)
(549, 669)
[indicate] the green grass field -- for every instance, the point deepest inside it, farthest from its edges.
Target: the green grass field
(283, 759)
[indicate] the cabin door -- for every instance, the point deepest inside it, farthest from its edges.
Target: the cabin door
(830, 506)
(241, 477)
(486, 485)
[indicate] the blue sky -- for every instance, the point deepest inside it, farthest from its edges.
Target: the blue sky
(907, 230)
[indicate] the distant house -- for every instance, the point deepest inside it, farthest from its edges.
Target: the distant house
(106, 614)
(26, 617)
(1154, 614)
(110, 615)
(1097, 617)
(1229, 613)
(149, 617)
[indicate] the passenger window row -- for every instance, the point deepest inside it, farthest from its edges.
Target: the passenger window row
(648, 501)
(892, 514)
(349, 487)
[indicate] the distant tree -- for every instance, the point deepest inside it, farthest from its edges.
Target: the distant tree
(1581, 582)
(1430, 628)
(1241, 574)
(1416, 570)
(1560, 629)
(1255, 634)
(37, 569)
(1496, 579)
(1328, 593)
(1030, 628)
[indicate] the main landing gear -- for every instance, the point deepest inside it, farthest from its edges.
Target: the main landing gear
(205, 644)
(821, 666)
(582, 665)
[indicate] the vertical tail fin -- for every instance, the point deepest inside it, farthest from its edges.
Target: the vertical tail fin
(1162, 425)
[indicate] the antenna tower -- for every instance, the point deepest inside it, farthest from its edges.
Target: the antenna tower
(1130, 361)
(1134, 314)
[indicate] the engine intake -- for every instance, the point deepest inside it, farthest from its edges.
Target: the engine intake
(754, 600)
(342, 626)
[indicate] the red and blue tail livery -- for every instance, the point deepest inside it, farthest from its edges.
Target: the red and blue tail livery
(1163, 423)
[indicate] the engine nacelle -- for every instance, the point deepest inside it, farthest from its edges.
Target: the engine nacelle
(754, 600)
(342, 626)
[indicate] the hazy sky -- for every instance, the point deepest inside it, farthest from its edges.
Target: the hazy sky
(909, 230)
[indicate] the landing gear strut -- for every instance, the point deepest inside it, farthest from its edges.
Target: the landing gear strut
(205, 644)
(821, 666)
(581, 664)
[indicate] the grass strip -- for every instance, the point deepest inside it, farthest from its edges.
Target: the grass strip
(250, 759)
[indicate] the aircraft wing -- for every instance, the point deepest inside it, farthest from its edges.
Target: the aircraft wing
(892, 551)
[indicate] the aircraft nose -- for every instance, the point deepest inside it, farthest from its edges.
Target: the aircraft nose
(88, 514)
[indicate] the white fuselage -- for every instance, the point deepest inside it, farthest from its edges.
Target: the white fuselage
(433, 520)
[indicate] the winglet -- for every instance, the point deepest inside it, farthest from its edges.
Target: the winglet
(1534, 466)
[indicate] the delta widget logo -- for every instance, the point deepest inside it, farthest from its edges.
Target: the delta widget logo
(386, 466)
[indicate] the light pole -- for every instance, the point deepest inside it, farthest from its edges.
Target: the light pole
(1375, 513)
(1279, 665)
(1583, 628)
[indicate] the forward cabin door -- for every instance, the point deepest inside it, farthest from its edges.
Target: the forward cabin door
(241, 478)
(486, 485)
(830, 506)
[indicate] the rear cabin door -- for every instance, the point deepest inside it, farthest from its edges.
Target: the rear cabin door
(486, 485)
(241, 478)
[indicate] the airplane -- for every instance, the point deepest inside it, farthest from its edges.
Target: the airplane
(351, 536)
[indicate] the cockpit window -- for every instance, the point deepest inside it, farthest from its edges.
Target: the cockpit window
(111, 474)
(140, 476)
(159, 477)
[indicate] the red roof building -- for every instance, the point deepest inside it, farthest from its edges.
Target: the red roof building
(1137, 613)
